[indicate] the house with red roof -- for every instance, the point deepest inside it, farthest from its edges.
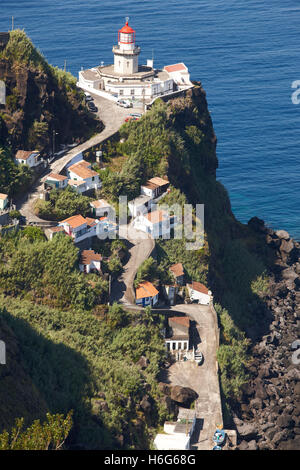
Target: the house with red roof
(156, 223)
(199, 292)
(90, 261)
(146, 294)
(178, 334)
(30, 158)
(179, 73)
(82, 177)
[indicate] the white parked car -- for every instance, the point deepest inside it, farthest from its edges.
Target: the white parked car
(124, 103)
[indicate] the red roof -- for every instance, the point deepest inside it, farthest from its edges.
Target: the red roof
(126, 29)
(175, 67)
(145, 289)
(87, 256)
(197, 286)
(184, 321)
(177, 269)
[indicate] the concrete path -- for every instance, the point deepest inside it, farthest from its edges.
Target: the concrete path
(140, 249)
(112, 116)
(204, 378)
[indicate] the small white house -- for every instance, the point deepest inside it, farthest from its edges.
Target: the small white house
(139, 205)
(79, 228)
(198, 291)
(179, 73)
(157, 223)
(56, 180)
(29, 158)
(3, 201)
(177, 434)
(82, 172)
(101, 208)
(154, 187)
(146, 294)
(90, 261)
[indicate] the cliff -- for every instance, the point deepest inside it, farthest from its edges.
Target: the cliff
(40, 99)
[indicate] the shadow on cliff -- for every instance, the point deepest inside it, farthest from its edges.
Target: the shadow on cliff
(42, 376)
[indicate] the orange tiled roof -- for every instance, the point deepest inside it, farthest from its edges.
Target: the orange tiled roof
(177, 269)
(100, 203)
(89, 255)
(57, 176)
(91, 222)
(184, 321)
(145, 289)
(199, 287)
(82, 170)
(56, 229)
(3, 196)
(24, 154)
(75, 183)
(156, 216)
(175, 67)
(74, 221)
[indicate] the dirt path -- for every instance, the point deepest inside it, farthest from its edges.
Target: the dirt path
(140, 249)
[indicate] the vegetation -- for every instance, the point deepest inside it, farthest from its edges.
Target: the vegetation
(50, 435)
(233, 356)
(47, 271)
(90, 365)
(63, 204)
(14, 179)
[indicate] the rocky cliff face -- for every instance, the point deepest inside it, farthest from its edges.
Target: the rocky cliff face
(40, 99)
(269, 414)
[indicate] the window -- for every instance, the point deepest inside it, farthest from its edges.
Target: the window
(119, 63)
(127, 64)
(93, 178)
(121, 92)
(132, 92)
(179, 345)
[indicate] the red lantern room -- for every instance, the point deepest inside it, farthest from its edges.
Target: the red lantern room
(126, 34)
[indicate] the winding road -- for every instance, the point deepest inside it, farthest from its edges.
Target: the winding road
(112, 117)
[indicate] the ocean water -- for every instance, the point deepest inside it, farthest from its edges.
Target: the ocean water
(246, 54)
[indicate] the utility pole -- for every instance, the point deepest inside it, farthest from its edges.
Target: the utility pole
(65, 66)
(12, 23)
(54, 133)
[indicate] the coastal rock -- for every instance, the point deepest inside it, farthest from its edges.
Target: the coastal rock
(247, 430)
(283, 234)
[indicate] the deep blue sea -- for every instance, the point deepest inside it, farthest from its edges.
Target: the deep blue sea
(245, 53)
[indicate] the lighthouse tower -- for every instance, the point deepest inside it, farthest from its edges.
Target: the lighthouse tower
(126, 53)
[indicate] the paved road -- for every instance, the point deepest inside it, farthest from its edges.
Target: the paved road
(112, 116)
(140, 249)
(203, 379)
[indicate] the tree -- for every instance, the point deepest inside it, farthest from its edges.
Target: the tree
(50, 435)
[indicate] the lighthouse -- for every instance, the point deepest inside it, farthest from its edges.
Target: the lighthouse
(126, 53)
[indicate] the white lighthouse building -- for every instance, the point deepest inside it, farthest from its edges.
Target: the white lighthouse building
(126, 78)
(126, 53)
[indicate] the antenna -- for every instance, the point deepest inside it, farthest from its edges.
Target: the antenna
(127, 19)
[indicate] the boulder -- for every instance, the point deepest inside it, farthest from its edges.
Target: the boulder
(247, 430)
(286, 247)
(183, 395)
(289, 274)
(252, 445)
(285, 421)
(282, 234)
